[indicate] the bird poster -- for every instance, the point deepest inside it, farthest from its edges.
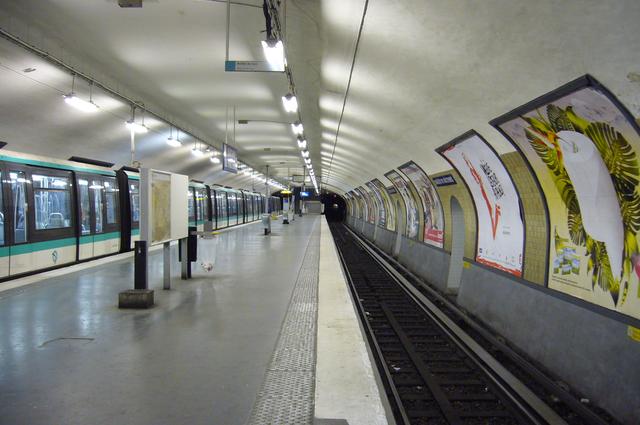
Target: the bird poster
(497, 202)
(582, 145)
(433, 233)
(413, 220)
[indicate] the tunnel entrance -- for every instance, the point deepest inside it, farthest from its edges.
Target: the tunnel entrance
(335, 207)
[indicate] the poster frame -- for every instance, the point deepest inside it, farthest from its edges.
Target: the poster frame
(464, 137)
(424, 220)
(382, 188)
(584, 81)
(406, 207)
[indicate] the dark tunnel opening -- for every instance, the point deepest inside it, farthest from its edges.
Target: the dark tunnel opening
(335, 207)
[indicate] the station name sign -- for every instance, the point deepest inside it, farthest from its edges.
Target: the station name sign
(445, 180)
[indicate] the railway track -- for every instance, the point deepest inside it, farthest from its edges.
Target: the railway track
(434, 372)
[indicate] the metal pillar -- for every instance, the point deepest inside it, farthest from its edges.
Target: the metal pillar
(166, 251)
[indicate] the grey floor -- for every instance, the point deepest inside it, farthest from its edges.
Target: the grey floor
(69, 356)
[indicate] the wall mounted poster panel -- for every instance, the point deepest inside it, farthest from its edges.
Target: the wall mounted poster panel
(382, 211)
(431, 206)
(390, 221)
(500, 226)
(364, 209)
(413, 223)
(583, 146)
(369, 205)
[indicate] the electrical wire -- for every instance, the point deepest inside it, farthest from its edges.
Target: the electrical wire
(346, 92)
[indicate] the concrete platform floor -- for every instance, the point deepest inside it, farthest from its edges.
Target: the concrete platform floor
(69, 356)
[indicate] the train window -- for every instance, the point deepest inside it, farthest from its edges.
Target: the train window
(85, 206)
(233, 206)
(97, 187)
(19, 195)
(134, 193)
(52, 196)
(192, 210)
(201, 198)
(111, 200)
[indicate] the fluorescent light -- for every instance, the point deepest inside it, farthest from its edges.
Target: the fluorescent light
(274, 54)
(305, 154)
(297, 127)
(196, 152)
(80, 104)
(309, 166)
(307, 160)
(290, 103)
(135, 127)
(302, 143)
(215, 159)
(174, 142)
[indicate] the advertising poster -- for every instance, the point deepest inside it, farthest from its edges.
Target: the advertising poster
(369, 206)
(583, 145)
(413, 223)
(431, 206)
(362, 208)
(382, 212)
(500, 226)
(390, 219)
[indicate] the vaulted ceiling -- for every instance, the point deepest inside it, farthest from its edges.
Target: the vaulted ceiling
(378, 82)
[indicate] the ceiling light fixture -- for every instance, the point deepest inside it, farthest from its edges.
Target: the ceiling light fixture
(80, 104)
(173, 142)
(214, 159)
(297, 128)
(133, 126)
(290, 103)
(196, 151)
(302, 142)
(305, 154)
(274, 53)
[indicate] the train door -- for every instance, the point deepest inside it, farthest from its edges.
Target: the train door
(222, 213)
(134, 203)
(241, 217)
(41, 218)
(232, 201)
(4, 248)
(99, 216)
(192, 205)
(201, 207)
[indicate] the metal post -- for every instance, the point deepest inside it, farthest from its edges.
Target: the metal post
(266, 191)
(141, 280)
(166, 250)
(133, 147)
(226, 58)
(184, 272)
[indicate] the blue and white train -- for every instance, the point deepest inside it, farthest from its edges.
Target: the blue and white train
(55, 213)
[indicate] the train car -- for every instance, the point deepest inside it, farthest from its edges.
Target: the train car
(55, 212)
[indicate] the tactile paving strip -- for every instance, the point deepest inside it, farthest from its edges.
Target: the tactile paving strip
(287, 393)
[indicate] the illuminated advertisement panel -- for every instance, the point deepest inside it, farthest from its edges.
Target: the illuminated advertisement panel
(413, 223)
(582, 145)
(390, 219)
(497, 203)
(431, 206)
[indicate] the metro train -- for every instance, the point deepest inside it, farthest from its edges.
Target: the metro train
(54, 212)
